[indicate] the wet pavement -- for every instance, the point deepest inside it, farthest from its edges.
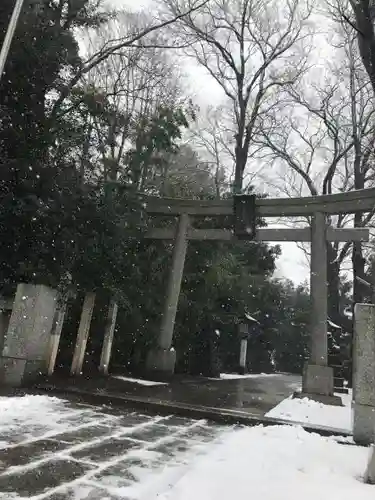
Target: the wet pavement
(95, 452)
(255, 395)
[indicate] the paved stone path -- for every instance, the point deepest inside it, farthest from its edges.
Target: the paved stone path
(96, 453)
(256, 395)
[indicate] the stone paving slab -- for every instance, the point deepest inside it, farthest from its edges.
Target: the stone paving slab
(104, 451)
(99, 454)
(30, 452)
(152, 433)
(82, 435)
(38, 479)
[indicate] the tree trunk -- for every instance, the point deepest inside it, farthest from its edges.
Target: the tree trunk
(241, 158)
(363, 11)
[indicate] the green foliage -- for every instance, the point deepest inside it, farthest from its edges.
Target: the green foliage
(154, 135)
(53, 223)
(43, 55)
(68, 230)
(288, 320)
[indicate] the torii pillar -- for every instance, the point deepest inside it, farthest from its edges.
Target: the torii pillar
(162, 358)
(317, 375)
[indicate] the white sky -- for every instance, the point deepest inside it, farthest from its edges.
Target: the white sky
(292, 263)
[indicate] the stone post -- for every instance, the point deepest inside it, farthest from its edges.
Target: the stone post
(243, 352)
(55, 337)
(317, 380)
(83, 334)
(243, 334)
(108, 338)
(26, 342)
(163, 358)
(364, 374)
(5, 313)
(370, 469)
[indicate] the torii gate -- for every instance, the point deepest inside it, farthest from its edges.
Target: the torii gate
(317, 376)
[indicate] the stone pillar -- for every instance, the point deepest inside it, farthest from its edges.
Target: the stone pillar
(27, 339)
(364, 374)
(318, 289)
(317, 381)
(108, 338)
(55, 337)
(5, 313)
(163, 358)
(370, 470)
(83, 334)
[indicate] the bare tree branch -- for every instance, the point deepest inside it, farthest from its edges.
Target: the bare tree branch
(115, 45)
(247, 46)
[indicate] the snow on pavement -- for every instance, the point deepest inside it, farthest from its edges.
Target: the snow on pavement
(37, 415)
(273, 463)
(293, 385)
(139, 381)
(268, 463)
(307, 411)
(237, 376)
(15, 411)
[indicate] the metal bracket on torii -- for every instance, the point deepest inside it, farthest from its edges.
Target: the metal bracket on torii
(244, 211)
(318, 377)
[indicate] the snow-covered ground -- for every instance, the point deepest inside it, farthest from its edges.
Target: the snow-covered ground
(35, 415)
(237, 376)
(273, 463)
(307, 411)
(292, 382)
(139, 381)
(264, 463)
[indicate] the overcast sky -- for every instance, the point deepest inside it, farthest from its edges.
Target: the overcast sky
(292, 264)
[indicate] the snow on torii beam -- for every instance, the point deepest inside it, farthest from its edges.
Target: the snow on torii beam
(318, 377)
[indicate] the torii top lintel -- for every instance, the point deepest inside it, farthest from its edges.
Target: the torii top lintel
(362, 200)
